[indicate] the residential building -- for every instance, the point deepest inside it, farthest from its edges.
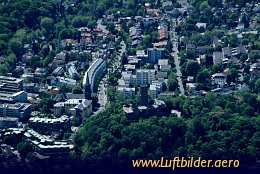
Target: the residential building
(154, 54)
(144, 77)
(219, 79)
(13, 97)
(96, 70)
(82, 107)
(149, 21)
(49, 125)
(8, 122)
(59, 71)
(11, 84)
(162, 68)
(153, 92)
(71, 83)
(126, 91)
(47, 147)
(167, 5)
(58, 108)
(18, 110)
(163, 34)
(73, 72)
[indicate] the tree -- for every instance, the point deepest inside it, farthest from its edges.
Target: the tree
(254, 55)
(65, 34)
(23, 148)
(64, 88)
(257, 85)
(244, 41)
(47, 24)
(192, 67)
(215, 3)
(229, 79)
(77, 90)
(80, 21)
(94, 98)
(233, 74)
(17, 47)
(172, 84)
(111, 28)
(203, 77)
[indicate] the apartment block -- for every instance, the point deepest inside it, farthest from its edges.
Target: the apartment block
(18, 110)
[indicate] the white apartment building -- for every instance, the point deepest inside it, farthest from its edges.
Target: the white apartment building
(153, 92)
(126, 91)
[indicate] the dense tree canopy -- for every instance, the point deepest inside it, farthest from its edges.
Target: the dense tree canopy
(213, 127)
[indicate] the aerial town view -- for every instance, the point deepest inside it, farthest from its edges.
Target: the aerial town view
(114, 86)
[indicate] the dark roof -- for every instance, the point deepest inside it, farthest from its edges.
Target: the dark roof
(241, 49)
(217, 57)
(226, 51)
(75, 96)
(190, 46)
(215, 41)
(166, 3)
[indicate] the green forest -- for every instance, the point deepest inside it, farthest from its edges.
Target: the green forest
(212, 127)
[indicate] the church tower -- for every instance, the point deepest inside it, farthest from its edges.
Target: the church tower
(87, 90)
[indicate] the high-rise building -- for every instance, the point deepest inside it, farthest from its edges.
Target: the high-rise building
(153, 92)
(143, 77)
(154, 54)
(144, 95)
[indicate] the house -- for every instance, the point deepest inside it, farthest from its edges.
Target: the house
(255, 69)
(219, 79)
(71, 83)
(163, 34)
(203, 49)
(167, 5)
(72, 71)
(240, 27)
(149, 21)
(201, 25)
(191, 48)
(82, 107)
(59, 71)
(216, 42)
(231, 54)
(160, 44)
(174, 13)
(152, 12)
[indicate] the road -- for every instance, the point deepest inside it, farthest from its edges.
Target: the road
(102, 97)
(176, 57)
(102, 90)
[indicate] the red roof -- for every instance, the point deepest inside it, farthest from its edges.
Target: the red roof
(86, 34)
(69, 41)
(88, 40)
